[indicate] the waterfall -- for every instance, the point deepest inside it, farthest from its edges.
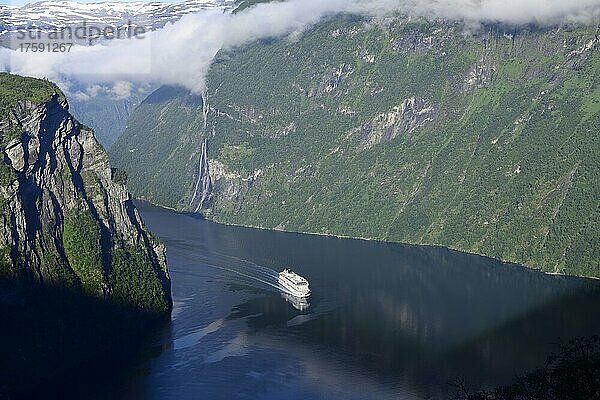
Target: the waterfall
(203, 189)
(205, 107)
(204, 185)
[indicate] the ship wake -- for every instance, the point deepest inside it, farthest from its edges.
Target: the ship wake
(244, 272)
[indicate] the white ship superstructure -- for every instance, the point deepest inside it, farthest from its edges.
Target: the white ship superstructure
(294, 284)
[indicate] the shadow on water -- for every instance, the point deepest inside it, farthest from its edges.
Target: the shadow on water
(59, 344)
(387, 349)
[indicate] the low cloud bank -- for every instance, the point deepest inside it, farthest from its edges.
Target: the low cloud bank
(181, 53)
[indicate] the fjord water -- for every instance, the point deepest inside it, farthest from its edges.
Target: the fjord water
(385, 320)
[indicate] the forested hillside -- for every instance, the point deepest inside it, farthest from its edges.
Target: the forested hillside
(401, 130)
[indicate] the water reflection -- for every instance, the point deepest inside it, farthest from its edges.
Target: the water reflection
(299, 303)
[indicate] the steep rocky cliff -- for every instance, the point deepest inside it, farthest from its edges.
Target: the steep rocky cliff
(67, 219)
(398, 129)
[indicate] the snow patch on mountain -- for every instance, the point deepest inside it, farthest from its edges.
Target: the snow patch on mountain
(51, 15)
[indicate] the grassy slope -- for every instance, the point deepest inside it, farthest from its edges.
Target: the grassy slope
(509, 169)
(14, 88)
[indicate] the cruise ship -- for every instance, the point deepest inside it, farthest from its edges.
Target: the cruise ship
(294, 284)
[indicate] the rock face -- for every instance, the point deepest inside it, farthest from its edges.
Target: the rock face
(331, 81)
(412, 114)
(67, 218)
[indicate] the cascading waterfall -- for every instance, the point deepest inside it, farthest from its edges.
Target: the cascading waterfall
(203, 188)
(205, 107)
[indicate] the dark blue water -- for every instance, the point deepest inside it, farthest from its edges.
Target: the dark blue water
(385, 320)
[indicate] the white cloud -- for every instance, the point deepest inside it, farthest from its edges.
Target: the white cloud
(182, 53)
(121, 90)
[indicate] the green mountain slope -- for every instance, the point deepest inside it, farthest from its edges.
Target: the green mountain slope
(161, 144)
(402, 131)
(107, 115)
